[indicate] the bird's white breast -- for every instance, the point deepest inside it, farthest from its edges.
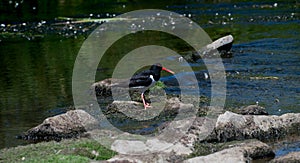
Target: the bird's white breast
(153, 81)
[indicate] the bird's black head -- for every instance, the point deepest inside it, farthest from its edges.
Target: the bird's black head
(156, 67)
(155, 70)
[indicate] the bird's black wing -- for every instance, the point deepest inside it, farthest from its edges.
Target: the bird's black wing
(141, 79)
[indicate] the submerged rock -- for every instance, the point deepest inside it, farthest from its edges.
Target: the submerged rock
(71, 124)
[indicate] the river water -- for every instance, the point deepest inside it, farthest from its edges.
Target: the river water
(36, 69)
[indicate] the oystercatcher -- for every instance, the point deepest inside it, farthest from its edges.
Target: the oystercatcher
(146, 79)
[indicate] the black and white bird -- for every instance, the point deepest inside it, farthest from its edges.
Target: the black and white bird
(146, 79)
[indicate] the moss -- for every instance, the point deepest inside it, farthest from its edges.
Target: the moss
(205, 148)
(158, 85)
(59, 158)
(79, 150)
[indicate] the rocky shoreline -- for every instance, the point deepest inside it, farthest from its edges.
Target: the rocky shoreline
(235, 137)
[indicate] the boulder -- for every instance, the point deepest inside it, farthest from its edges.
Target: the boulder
(104, 87)
(245, 151)
(232, 126)
(232, 155)
(220, 47)
(292, 157)
(253, 110)
(132, 109)
(71, 124)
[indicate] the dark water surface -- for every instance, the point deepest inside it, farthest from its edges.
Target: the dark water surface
(36, 74)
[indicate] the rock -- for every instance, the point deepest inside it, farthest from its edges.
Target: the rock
(292, 157)
(71, 124)
(136, 147)
(149, 158)
(153, 150)
(239, 152)
(156, 150)
(256, 149)
(232, 155)
(220, 47)
(253, 110)
(222, 44)
(201, 127)
(119, 90)
(103, 87)
(132, 109)
(232, 126)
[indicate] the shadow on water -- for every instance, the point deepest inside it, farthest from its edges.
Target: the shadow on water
(35, 74)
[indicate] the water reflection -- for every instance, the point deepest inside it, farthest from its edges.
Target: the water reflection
(35, 78)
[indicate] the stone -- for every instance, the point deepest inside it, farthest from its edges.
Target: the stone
(218, 48)
(293, 157)
(103, 87)
(71, 124)
(239, 152)
(235, 155)
(132, 109)
(154, 145)
(253, 110)
(232, 126)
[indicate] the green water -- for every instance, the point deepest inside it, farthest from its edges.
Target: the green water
(35, 74)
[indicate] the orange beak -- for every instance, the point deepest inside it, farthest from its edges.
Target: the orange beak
(165, 69)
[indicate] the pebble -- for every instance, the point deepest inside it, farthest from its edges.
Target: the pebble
(180, 59)
(205, 75)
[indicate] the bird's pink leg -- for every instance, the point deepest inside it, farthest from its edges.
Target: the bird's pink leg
(146, 105)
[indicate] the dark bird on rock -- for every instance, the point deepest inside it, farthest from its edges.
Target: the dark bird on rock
(146, 79)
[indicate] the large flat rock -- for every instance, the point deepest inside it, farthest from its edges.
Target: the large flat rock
(232, 126)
